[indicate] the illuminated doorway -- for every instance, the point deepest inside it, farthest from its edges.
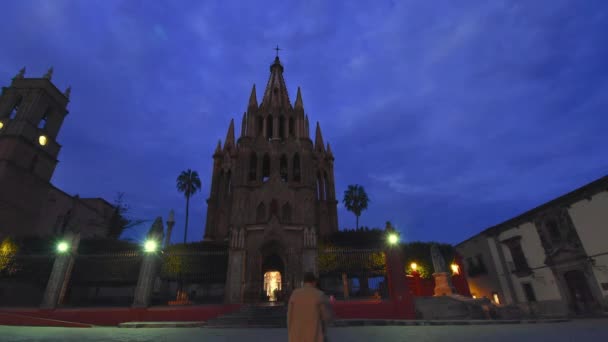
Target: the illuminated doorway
(272, 284)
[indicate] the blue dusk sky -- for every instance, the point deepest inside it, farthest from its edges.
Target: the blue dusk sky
(454, 115)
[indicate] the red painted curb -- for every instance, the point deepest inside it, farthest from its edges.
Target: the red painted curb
(22, 320)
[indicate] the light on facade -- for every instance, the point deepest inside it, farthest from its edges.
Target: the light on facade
(393, 238)
(62, 247)
(1, 124)
(455, 269)
(414, 266)
(42, 140)
(150, 246)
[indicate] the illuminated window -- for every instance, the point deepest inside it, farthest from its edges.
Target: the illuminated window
(495, 297)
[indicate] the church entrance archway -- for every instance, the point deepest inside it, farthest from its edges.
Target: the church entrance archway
(581, 299)
(273, 270)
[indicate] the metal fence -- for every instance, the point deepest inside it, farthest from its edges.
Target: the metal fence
(23, 278)
(199, 274)
(103, 279)
(353, 273)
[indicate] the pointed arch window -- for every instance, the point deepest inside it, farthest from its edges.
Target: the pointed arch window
(34, 163)
(292, 127)
(260, 213)
(15, 109)
(286, 213)
(282, 127)
(220, 185)
(253, 166)
(265, 168)
(44, 120)
(326, 185)
(296, 168)
(319, 187)
(283, 168)
(228, 184)
(274, 207)
(260, 125)
(269, 125)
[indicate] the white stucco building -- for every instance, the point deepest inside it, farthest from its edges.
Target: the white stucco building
(549, 261)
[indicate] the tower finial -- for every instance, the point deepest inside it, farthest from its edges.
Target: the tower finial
(277, 49)
(253, 100)
(20, 75)
(299, 103)
(229, 142)
(319, 138)
(49, 74)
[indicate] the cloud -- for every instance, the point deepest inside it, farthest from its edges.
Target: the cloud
(473, 112)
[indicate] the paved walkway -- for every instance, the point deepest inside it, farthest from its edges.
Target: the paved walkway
(577, 331)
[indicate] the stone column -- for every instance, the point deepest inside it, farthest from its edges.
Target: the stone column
(57, 284)
(236, 267)
(149, 267)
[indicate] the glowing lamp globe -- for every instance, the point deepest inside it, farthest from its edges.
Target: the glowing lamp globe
(455, 268)
(62, 247)
(42, 140)
(393, 239)
(150, 246)
(1, 124)
(414, 266)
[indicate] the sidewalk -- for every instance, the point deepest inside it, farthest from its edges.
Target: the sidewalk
(356, 323)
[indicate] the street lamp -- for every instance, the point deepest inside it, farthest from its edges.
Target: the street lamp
(455, 269)
(62, 247)
(150, 246)
(414, 266)
(393, 238)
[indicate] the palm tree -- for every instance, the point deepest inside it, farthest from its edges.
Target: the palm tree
(355, 200)
(188, 183)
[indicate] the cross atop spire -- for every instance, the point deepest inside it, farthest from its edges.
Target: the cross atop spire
(277, 49)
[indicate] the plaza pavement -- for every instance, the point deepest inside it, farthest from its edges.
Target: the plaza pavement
(589, 330)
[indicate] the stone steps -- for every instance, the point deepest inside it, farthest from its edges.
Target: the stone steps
(252, 317)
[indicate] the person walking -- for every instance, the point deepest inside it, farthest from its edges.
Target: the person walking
(308, 313)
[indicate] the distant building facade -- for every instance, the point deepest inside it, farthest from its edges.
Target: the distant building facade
(272, 194)
(551, 260)
(32, 111)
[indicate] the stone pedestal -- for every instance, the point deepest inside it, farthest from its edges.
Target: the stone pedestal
(443, 285)
(60, 275)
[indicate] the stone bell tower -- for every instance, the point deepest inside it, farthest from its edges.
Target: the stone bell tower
(32, 111)
(272, 192)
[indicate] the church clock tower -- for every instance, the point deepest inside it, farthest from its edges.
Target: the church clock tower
(32, 111)
(272, 192)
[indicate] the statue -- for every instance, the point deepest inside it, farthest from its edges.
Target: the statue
(67, 92)
(20, 75)
(157, 230)
(49, 74)
(443, 279)
(438, 260)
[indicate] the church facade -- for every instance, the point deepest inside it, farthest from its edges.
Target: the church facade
(272, 194)
(32, 111)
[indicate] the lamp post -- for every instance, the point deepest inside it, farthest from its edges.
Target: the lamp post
(170, 224)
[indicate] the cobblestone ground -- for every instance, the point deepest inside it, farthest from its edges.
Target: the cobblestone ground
(579, 331)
